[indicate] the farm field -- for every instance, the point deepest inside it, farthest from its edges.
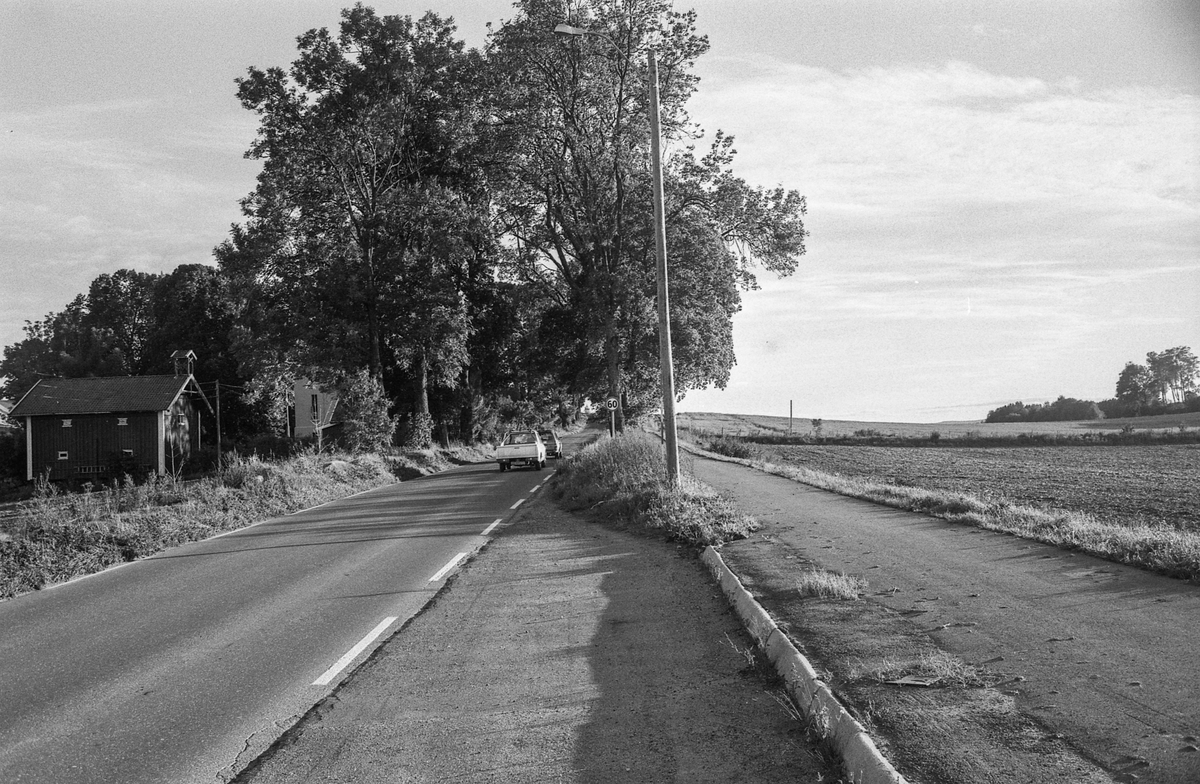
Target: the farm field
(744, 424)
(1126, 485)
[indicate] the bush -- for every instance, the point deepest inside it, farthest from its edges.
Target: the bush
(366, 424)
(1065, 409)
(12, 453)
(625, 478)
(731, 446)
(418, 433)
(264, 445)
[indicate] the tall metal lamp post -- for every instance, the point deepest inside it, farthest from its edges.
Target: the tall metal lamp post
(666, 368)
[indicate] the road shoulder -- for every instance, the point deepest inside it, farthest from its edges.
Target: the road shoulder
(962, 730)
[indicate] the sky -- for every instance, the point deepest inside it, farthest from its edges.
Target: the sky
(1003, 195)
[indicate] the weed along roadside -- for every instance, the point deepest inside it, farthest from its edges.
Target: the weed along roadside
(57, 537)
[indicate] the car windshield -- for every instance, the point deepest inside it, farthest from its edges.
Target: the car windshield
(520, 437)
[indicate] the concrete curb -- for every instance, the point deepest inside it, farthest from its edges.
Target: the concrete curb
(863, 760)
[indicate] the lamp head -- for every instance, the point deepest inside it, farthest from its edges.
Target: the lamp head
(567, 31)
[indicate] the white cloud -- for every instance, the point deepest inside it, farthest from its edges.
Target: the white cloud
(968, 229)
(92, 188)
(886, 132)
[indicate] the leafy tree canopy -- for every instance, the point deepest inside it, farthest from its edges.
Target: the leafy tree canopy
(574, 193)
(369, 223)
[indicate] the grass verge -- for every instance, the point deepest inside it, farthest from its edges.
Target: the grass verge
(56, 537)
(1163, 550)
(625, 477)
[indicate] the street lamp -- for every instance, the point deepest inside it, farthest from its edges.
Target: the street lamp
(666, 368)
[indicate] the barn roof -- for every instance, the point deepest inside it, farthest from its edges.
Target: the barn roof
(102, 395)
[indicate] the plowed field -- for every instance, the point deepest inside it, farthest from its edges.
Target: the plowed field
(1121, 484)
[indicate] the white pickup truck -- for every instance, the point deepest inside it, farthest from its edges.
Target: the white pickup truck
(521, 447)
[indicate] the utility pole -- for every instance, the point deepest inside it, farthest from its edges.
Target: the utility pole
(789, 417)
(666, 369)
(218, 388)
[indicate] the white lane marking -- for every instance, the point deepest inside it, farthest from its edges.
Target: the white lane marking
(535, 488)
(341, 663)
(443, 571)
(518, 503)
(491, 527)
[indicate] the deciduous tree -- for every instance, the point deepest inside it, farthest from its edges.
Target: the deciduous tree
(574, 193)
(1174, 372)
(1136, 388)
(353, 235)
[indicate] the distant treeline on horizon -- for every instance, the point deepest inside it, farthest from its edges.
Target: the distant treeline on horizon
(1166, 384)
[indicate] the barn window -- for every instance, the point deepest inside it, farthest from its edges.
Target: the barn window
(62, 456)
(66, 423)
(122, 421)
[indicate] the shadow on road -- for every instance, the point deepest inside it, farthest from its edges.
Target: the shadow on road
(678, 699)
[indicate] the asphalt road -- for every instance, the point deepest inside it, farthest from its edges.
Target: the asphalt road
(184, 666)
(571, 651)
(1102, 653)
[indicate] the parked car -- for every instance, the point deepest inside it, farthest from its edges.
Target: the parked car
(521, 447)
(553, 445)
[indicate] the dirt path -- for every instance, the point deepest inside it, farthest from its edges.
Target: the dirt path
(1078, 650)
(567, 651)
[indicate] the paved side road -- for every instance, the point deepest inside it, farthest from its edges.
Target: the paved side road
(567, 651)
(1101, 654)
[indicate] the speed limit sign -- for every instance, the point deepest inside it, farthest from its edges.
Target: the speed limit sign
(611, 403)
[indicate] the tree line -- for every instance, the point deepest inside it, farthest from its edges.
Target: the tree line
(1167, 383)
(467, 230)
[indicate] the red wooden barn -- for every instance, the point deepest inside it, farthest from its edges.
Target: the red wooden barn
(91, 428)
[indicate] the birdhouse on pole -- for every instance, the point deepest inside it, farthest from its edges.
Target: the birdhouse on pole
(185, 361)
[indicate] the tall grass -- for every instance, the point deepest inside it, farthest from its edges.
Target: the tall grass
(55, 537)
(625, 478)
(825, 584)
